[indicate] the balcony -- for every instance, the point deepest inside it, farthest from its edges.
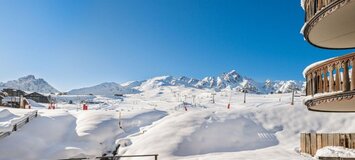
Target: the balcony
(330, 24)
(330, 85)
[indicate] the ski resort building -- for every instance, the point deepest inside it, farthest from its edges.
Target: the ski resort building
(16, 102)
(14, 92)
(39, 98)
(330, 24)
(1, 98)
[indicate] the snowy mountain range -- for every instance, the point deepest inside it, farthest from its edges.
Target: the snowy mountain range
(231, 81)
(108, 88)
(31, 84)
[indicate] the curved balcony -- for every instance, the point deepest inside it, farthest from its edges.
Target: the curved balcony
(330, 24)
(330, 85)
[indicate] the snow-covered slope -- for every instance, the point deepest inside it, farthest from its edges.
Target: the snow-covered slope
(31, 84)
(108, 89)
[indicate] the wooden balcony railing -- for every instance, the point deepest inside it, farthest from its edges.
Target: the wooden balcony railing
(334, 75)
(312, 7)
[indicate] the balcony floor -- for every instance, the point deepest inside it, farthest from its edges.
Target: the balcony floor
(333, 105)
(335, 30)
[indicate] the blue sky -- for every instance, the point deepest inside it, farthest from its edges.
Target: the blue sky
(76, 43)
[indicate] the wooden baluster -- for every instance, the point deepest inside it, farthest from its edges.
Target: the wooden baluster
(319, 5)
(331, 79)
(309, 84)
(312, 85)
(353, 75)
(308, 11)
(325, 83)
(328, 1)
(315, 83)
(346, 86)
(320, 81)
(337, 78)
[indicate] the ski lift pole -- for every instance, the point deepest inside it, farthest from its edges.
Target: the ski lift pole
(119, 120)
(293, 97)
(193, 100)
(245, 96)
(229, 102)
(213, 94)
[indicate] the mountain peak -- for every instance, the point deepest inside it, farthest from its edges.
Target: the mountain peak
(26, 78)
(31, 84)
(233, 72)
(107, 89)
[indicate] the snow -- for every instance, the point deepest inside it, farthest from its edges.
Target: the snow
(155, 122)
(207, 138)
(315, 64)
(9, 116)
(34, 104)
(71, 134)
(5, 120)
(333, 151)
(107, 89)
(227, 81)
(283, 86)
(303, 28)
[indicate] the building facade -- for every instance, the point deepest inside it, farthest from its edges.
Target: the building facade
(39, 98)
(330, 24)
(14, 92)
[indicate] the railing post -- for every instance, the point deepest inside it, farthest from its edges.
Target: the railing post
(320, 85)
(353, 75)
(313, 84)
(308, 88)
(337, 78)
(156, 157)
(346, 86)
(331, 82)
(325, 83)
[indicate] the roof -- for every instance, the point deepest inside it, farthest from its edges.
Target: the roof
(35, 94)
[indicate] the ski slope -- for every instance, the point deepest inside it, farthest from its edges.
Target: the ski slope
(156, 122)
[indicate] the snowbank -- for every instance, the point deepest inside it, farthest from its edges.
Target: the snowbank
(34, 104)
(266, 126)
(333, 151)
(58, 134)
(6, 118)
(239, 134)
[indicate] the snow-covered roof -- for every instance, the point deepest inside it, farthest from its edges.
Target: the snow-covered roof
(313, 65)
